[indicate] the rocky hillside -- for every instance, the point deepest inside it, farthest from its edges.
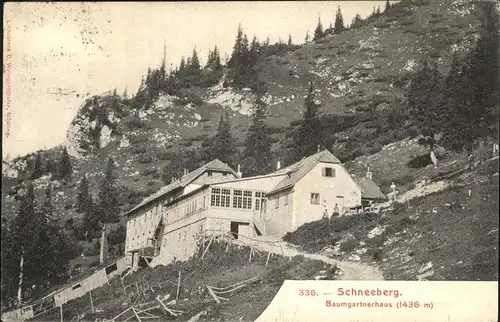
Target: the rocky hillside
(441, 230)
(359, 75)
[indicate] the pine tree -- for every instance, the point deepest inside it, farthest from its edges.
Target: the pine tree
(318, 32)
(223, 145)
(310, 128)
(387, 5)
(257, 153)
(195, 63)
(238, 49)
(37, 167)
(307, 39)
(426, 97)
(339, 21)
(216, 59)
(125, 94)
(290, 43)
(42, 247)
(107, 196)
(48, 208)
(356, 21)
(84, 198)
(65, 167)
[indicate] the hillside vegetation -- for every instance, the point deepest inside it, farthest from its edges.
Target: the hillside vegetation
(369, 93)
(445, 235)
(219, 268)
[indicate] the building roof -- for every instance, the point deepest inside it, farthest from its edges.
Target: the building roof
(298, 170)
(214, 165)
(368, 188)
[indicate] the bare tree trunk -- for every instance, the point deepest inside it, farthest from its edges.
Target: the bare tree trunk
(103, 245)
(20, 288)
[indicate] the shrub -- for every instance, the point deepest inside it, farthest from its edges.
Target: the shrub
(133, 122)
(376, 253)
(144, 158)
(135, 139)
(383, 25)
(138, 149)
(149, 171)
(163, 155)
(345, 222)
(348, 246)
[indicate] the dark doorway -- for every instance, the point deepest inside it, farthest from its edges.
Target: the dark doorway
(234, 229)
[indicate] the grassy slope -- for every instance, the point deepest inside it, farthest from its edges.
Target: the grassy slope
(405, 32)
(457, 233)
(344, 86)
(219, 269)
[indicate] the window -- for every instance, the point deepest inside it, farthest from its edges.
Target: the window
(220, 197)
(226, 198)
(77, 286)
(258, 199)
(286, 199)
(215, 198)
(111, 268)
(277, 202)
(209, 173)
(314, 198)
(328, 172)
(237, 199)
(247, 200)
(204, 201)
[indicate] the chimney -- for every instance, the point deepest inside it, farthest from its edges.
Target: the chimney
(278, 165)
(173, 179)
(239, 171)
(368, 173)
(185, 171)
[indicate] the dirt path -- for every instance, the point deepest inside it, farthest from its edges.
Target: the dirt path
(350, 270)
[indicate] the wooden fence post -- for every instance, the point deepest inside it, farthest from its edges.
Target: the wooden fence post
(91, 302)
(178, 286)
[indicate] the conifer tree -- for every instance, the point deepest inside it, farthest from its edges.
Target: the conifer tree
(318, 32)
(238, 49)
(107, 196)
(48, 208)
(216, 59)
(387, 5)
(339, 21)
(84, 198)
(195, 63)
(37, 167)
(42, 247)
(356, 21)
(290, 43)
(65, 167)
(257, 153)
(223, 145)
(307, 39)
(310, 133)
(426, 96)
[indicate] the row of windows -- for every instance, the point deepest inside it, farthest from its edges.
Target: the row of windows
(195, 205)
(242, 199)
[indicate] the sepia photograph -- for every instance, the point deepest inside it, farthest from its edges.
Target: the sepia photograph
(189, 161)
